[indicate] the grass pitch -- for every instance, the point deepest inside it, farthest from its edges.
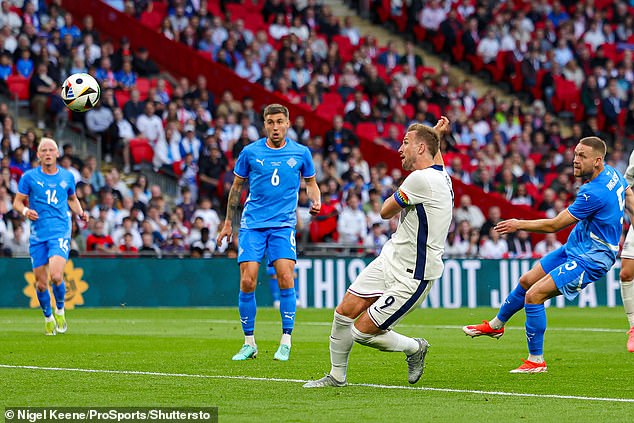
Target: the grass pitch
(182, 357)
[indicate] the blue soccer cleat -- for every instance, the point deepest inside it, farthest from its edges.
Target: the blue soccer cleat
(245, 353)
(283, 353)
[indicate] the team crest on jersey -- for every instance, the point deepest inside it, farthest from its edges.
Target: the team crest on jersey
(63, 184)
(291, 162)
(75, 287)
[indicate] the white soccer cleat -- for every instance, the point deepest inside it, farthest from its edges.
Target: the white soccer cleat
(325, 382)
(416, 361)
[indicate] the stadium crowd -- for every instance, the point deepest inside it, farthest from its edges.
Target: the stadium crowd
(303, 51)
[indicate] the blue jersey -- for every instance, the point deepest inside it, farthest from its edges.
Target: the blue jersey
(599, 208)
(274, 177)
(48, 196)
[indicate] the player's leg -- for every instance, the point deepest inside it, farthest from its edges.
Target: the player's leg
(627, 284)
(514, 302)
(39, 258)
(341, 340)
(282, 253)
(288, 307)
(250, 252)
(247, 308)
(365, 290)
(56, 266)
(374, 327)
(567, 279)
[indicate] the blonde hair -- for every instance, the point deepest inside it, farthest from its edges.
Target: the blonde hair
(47, 140)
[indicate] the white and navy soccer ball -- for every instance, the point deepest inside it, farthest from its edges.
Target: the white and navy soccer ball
(80, 92)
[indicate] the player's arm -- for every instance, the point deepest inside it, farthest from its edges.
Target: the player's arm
(20, 205)
(393, 205)
(443, 128)
(629, 202)
(557, 223)
(75, 206)
(314, 195)
(232, 207)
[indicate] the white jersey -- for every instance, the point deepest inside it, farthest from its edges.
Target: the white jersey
(417, 246)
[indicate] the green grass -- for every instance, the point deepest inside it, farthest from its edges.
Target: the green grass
(202, 341)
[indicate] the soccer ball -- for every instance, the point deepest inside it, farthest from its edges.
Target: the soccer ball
(80, 92)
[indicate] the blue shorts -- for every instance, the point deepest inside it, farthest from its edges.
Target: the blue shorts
(42, 251)
(279, 243)
(570, 275)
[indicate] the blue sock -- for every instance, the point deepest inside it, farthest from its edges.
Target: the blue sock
(275, 289)
(288, 306)
(295, 284)
(535, 328)
(44, 297)
(247, 309)
(513, 303)
(59, 291)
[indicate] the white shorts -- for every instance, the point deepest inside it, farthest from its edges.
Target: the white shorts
(397, 295)
(628, 245)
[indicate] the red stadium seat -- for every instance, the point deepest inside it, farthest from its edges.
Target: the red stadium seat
(141, 150)
(367, 130)
(143, 85)
(19, 87)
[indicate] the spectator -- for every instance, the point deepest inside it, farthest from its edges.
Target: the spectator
(98, 120)
(547, 245)
(455, 246)
(351, 224)
(142, 65)
(467, 211)
(494, 217)
(126, 77)
(520, 245)
(18, 243)
(149, 248)
(494, 247)
(150, 125)
(206, 245)
(41, 90)
(99, 241)
(340, 139)
(134, 107)
(488, 47)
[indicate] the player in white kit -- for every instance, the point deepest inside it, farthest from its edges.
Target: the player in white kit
(399, 279)
(627, 267)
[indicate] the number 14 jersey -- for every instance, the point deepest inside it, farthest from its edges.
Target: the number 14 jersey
(48, 196)
(274, 176)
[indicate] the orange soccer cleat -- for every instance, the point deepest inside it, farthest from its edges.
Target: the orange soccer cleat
(483, 329)
(531, 367)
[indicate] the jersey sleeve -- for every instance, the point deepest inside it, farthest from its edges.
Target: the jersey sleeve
(308, 167)
(241, 168)
(412, 190)
(586, 204)
(24, 187)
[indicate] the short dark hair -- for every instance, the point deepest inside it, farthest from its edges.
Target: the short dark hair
(273, 109)
(427, 135)
(597, 145)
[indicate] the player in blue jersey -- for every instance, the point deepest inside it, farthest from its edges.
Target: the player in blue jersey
(44, 196)
(274, 167)
(587, 255)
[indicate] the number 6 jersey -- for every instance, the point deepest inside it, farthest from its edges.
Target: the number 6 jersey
(274, 177)
(48, 196)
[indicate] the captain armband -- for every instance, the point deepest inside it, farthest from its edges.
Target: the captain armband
(401, 198)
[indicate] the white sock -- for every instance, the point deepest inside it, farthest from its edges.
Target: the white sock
(49, 318)
(627, 294)
(250, 340)
(496, 323)
(389, 341)
(341, 343)
(536, 358)
(59, 311)
(286, 339)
